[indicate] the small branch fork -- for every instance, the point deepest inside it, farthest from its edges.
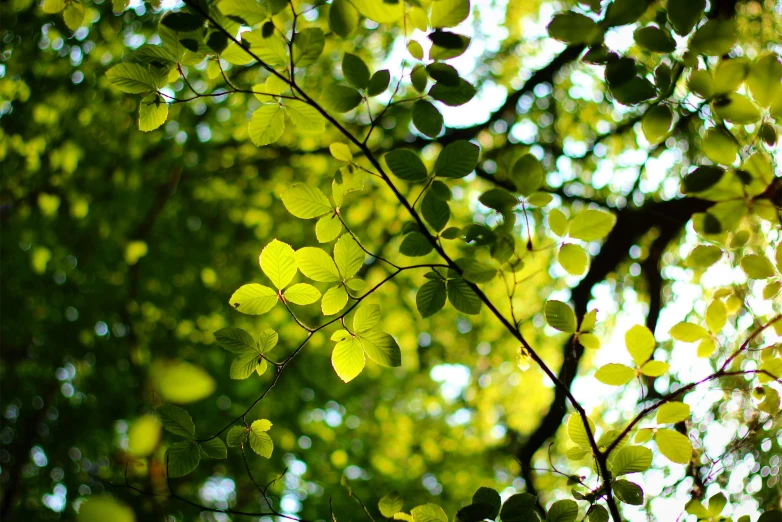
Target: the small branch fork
(510, 325)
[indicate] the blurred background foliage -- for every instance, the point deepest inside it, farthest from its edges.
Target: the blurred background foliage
(120, 249)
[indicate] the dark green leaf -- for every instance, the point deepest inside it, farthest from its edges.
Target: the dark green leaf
(462, 297)
(355, 70)
(430, 298)
(453, 95)
(415, 244)
(341, 98)
(182, 22)
(628, 492)
(406, 165)
(427, 119)
(685, 15)
(379, 82)
(435, 211)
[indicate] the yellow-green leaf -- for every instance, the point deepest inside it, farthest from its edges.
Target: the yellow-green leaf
(688, 332)
(615, 374)
(253, 299)
(675, 446)
(639, 341)
(673, 412)
(348, 359)
(278, 262)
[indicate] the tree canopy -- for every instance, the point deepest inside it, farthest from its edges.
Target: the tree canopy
(418, 260)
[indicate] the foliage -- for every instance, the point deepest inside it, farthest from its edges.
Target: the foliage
(431, 212)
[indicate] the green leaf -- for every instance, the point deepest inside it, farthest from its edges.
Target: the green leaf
(639, 341)
(577, 432)
(267, 124)
(449, 13)
(714, 38)
(213, 449)
(182, 458)
(236, 436)
(406, 165)
(343, 18)
(716, 315)
(278, 262)
(305, 201)
(447, 45)
(624, 12)
(654, 368)
(574, 28)
(719, 146)
(684, 16)
(764, 79)
(317, 265)
(688, 332)
(341, 152)
(628, 492)
(657, 123)
(348, 359)
(355, 70)
(308, 46)
(573, 259)
(244, 365)
(248, 11)
(475, 271)
(304, 116)
(132, 78)
(757, 267)
(366, 318)
(462, 297)
(673, 412)
(341, 98)
(737, 108)
(415, 50)
(152, 112)
(379, 82)
(181, 382)
(716, 504)
(590, 225)
(100, 508)
(419, 78)
(557, 222)
(429, 513)
(430, 298)
(703, 256)
(655, 39)
(444, 73)
(328, 228)
(457, 159)
(598, 514)
(562, 511)
(499, 199)
(348, 256)
(615, 374)
(589, 341)
(631, 459)
(730, 74)
(675, 446)
(520, 508)
(560, 316)
(302, 294)
(427, 119)
(381, 348)
(415, 244)
(527, 174)
(176, 420)
(253, 299)
(260, 441)
(267, 340)
(53, 6)
(236, 340)
(182, 22)
(435, 211)
(488, 497)
(453, 95)
(334, 300)
(390, 504)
